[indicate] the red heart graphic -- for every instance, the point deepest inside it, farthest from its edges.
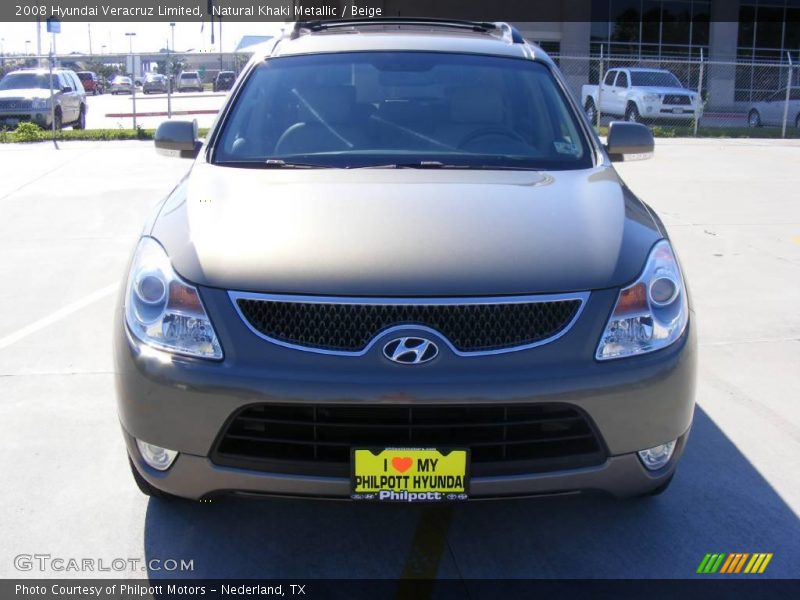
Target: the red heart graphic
(402, 464)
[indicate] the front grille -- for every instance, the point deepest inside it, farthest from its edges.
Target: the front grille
(317, 439)
(15, 104)
(677, 99)
(349, 327)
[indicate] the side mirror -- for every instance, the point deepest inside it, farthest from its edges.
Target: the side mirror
(66, 89)
(629, 141)
(178, 138)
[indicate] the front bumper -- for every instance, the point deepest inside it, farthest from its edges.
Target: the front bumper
(37, 117)
(657, 110)
(182, 404)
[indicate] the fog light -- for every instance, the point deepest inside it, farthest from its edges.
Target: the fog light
(157, 457)
(656, 457)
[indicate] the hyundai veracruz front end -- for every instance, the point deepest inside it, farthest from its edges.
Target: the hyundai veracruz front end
(402, 267)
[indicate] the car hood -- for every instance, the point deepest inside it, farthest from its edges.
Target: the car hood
(24, 94)
(387, 232)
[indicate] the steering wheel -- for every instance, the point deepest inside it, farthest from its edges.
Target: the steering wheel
(491, 131)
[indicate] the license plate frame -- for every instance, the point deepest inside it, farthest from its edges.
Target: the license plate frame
(378, 461)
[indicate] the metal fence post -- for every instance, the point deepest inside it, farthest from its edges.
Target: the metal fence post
(600, 89)
(52, 100)
(169, 85)
(788, 91)
(699, 93)
(133, 93)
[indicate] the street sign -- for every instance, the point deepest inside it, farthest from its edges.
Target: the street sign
(53, 25)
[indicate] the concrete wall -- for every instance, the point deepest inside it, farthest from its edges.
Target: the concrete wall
(724, 37)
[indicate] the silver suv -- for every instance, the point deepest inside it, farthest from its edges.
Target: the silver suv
(190, 81)
(25, 96)
(402, 267)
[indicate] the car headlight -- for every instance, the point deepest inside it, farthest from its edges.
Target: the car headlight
(40, 104)
(164, 311)
(651, 97)
(651, 313)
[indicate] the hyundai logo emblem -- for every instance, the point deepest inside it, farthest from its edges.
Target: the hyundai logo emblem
(410, 350)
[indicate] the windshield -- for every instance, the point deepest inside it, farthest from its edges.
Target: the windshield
(25, 81)
(402, 109)
(654, 79)
(188, 75)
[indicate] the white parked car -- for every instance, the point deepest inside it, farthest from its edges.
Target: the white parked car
(190, 81)
(639, 94)
(770, 111)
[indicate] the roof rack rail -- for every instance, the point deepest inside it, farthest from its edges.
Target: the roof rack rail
(476, 26)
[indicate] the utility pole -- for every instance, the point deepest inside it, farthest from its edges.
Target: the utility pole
(89, 26)
(38, 39)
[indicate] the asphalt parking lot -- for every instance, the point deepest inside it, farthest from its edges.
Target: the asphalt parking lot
(70, 219)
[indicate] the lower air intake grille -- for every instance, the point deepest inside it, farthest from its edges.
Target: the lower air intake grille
(317, 439)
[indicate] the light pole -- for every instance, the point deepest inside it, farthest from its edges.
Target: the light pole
(27, 47)
(133, 75)
(220, 44)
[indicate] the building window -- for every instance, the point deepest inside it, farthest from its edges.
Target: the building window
(767, 30)
(651, 28)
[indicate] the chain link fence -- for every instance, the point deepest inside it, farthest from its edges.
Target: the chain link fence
(740, 99)
(718, 97)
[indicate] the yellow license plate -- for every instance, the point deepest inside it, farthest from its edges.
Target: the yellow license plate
(410, 474)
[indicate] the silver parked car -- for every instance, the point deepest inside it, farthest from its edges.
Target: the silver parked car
(402, 267)
(770, 112)
(121, 85)
(25, 96)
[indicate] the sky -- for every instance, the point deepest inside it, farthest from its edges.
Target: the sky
(150, 37)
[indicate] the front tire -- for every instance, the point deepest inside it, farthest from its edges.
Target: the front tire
(145, 487)
(591, 111)
(632, 114)
(659, 490)
(81, 122)
(754, 119)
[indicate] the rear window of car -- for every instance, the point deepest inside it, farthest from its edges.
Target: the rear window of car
(376, 108)
(85, 76)
(188, 75)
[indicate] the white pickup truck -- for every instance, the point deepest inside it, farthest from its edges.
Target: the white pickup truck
(639, 94)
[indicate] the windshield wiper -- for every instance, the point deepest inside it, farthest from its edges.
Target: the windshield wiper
(272, 163)
(278, 163)
(422, 164)
(435, 164)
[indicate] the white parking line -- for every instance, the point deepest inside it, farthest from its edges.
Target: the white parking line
(58, 315)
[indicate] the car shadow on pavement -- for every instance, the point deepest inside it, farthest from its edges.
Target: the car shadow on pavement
(718, 502)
